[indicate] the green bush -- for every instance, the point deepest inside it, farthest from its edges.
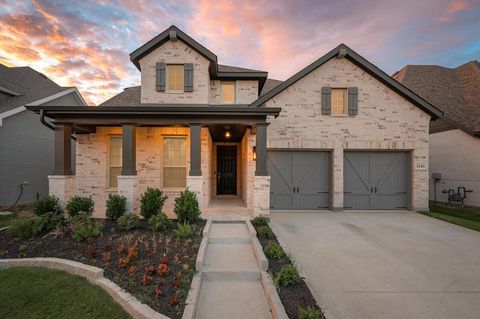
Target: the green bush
(116, 206)
(183, 230)
(159, 222)
(25, 227)
(79, 204)
(288, 275)
(47, 204)
(186, 207)
(84, 227)
(259, 221)
(151, 202)
(273, 250)
(264, 231)
(310, 313)
(128, 222)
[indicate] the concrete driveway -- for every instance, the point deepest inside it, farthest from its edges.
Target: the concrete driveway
(385, 264)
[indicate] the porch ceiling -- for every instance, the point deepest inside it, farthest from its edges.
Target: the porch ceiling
(218, 132)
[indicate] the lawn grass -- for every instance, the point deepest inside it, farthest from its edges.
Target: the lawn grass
(467, 217)
(29, 293)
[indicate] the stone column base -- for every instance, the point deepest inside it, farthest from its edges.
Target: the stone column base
(261, 196)
(127, 185)
(195, 184)
(62, 187)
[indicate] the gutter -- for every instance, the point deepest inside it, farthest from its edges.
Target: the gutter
(50, 125)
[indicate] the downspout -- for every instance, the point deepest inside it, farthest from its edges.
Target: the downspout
(50, 125)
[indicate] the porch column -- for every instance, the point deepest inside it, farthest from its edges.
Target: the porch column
(261, 149)
(127, 181)
(129, 132)
(62, 183)
(195, 150)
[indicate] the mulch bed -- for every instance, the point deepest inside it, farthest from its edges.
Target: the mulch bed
(293, 297)
(158, 271)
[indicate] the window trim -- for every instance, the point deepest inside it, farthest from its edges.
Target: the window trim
(167, 73)
(175, 188)
(234, 92)
(345, 102)
(109, 166)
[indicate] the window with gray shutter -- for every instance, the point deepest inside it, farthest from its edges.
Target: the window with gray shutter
(188, 77)
(160, 75)
(353, 101)
(326, 100)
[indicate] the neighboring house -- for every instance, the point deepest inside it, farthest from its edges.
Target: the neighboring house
(26, 145)
(339, 134)
(455, 139)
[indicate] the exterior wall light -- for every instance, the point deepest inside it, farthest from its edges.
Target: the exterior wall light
(254, 150)
(227, 134)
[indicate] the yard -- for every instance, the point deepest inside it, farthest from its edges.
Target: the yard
(45, 293)
(467, 217)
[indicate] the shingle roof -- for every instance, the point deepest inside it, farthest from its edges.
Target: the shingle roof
(269, 85)
(235, 69)
(453, 90)
(28, 83)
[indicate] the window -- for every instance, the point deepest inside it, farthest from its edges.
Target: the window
(175, 77)
(228, 92)
(339, 99)
(115, 160)
(174, 162)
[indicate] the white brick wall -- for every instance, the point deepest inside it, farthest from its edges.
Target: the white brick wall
(385, 121)
(456, 155)
(62, 187)
(246, 91)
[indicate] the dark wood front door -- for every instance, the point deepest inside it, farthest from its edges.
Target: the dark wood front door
(226, 170)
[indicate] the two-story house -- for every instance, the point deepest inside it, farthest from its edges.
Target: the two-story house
(339, 134)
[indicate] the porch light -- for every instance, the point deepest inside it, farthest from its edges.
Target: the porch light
(254, 150)
(227, 134)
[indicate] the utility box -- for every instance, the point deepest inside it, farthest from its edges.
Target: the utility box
(436, 176)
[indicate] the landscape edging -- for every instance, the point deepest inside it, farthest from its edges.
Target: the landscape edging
(94, 275)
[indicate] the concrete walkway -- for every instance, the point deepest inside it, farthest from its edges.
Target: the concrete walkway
(385, 264)
(232, 286)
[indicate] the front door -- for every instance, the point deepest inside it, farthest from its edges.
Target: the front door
(226, 170)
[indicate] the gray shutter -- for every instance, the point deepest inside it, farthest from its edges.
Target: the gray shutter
(326, 100)
(353, 101)
(188, 77)
(161, 70)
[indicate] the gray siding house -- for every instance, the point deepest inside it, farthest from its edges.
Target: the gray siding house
(26, 145)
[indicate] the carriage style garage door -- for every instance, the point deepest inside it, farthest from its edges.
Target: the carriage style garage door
(299, 179)
(375, 180)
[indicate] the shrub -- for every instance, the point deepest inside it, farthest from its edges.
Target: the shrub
(264, 231)
(116, 206)
(159, 222)
(310, 313)
(259, 221)
(151, 202)
(84, 227)
(186, 207)
(288, 275)
(273, 250)
(183, 230)
(79, 204)
(48, 204)
(25, 227)
(128, 222)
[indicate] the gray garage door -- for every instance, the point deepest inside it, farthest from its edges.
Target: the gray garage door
(299, 180)
(375, 180)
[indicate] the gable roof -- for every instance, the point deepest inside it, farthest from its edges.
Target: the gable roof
(345, 52)
(270, 84)
(217, 71)
(454, 90)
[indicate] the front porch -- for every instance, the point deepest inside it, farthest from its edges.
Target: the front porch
(222, 160)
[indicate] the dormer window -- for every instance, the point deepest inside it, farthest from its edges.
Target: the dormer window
(175, 77)
(228, 92)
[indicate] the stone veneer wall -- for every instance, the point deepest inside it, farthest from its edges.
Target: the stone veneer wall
(246, 91)
(385, 121)
(92, 165)
(456, 155)
(175, 53)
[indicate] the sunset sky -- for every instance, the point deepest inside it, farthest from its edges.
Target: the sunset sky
(86, 43)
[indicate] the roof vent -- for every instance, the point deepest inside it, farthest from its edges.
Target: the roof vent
(342, 53)
(173, 36)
